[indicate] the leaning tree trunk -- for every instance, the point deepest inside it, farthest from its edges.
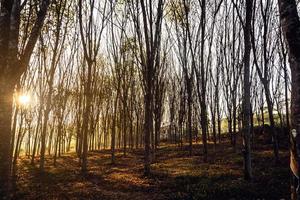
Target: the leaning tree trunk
(290, 25)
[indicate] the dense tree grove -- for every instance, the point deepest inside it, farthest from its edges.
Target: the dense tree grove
(79, 76)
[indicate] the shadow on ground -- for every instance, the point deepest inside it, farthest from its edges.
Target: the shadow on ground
(175, 175)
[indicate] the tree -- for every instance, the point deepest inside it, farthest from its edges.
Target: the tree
(290, 25)
(246, 93)
(149, 39)
(90, 34)
(186, 49)
(13, 63)
(60, 9)
(264, 69)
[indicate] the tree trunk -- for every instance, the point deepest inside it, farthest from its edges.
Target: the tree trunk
(113, 131)
(6, 100)
(203, 83)
(124, 124)
(189, 120)
(290, 25)
(36, 134)
(246, 118)
(86, 117)
(272, 124)
(147, 129)
(234, 138)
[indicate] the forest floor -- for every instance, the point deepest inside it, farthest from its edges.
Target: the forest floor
(175, 175)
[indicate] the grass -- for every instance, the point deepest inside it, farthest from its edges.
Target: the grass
(175, 175)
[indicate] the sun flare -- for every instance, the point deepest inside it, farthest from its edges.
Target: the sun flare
(24, 99)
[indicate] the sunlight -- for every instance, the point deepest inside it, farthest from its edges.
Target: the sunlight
(24, 99)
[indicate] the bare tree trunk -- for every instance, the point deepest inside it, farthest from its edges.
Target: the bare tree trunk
(203, 83)
(152, 22)
(36, 134)
(290, 25)
(272, 124)
(12, 65)
(147, 128)
(6, 99)
(113, 130)
(86, 118)
(189, 115)
(246, 103)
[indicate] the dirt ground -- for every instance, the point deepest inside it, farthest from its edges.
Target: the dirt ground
(175, 175)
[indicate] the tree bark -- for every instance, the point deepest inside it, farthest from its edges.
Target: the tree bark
(290, 25)
(6, 100)
(246, 106)
(147, 129)
(12, 65)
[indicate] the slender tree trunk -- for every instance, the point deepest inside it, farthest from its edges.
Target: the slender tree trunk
(86, 118)
(18, 144)
(189, 120)
(234, 126)
(230, 127)
(44, 131)
(14, 127)
(35, 142)
(137, 132)
(124, 125)
(203, 83)
(286, 95)
(272, 124)
(147, 128)
(246, 103)
(113, 131)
